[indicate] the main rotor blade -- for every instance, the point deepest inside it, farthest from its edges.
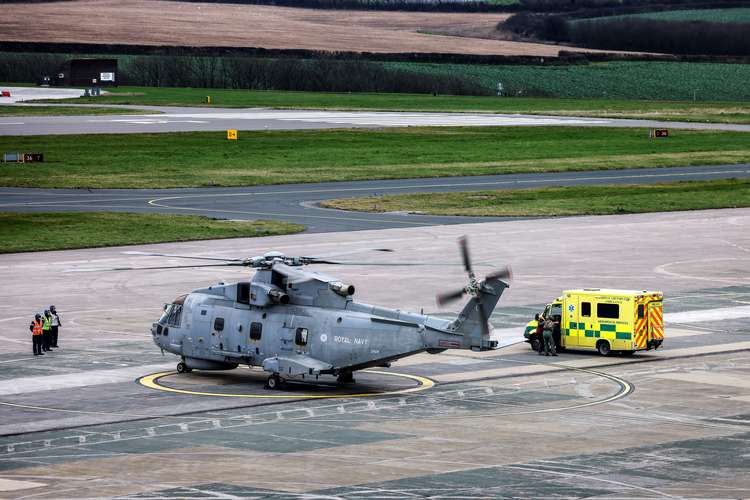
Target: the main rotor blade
(364, 263)
(153, 254)
(348, 252)
(464, 244)
(92, 270)
(505, 274)
(445, 298)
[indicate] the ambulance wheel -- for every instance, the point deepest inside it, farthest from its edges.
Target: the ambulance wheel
(603, 347)
(183, 368)
(274, 382)
(535, 344)
(345, 378)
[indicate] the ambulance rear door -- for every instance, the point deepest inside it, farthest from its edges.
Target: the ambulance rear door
(655, 322)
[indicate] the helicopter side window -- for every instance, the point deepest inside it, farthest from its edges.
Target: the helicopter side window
(219, 324)
(256, 329)
(301, 336)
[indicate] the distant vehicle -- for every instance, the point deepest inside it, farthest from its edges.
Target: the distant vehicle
(301, 325)
(604, 320)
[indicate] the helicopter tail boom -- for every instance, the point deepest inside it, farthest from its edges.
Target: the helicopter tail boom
(472, 322)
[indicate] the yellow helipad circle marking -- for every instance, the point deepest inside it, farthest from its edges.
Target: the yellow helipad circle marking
(152, 382)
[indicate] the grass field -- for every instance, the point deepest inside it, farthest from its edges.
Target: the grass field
(649, 80)
(727, 112)
(66, 111)
(584, 200)
(279, 157)
(65, 230)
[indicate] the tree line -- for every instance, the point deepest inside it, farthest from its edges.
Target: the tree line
(634, 34)
(251, 74)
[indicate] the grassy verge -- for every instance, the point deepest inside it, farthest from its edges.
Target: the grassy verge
(65, 230)
(67, 111)
(512, 76)
(583, 200)
(281, 157)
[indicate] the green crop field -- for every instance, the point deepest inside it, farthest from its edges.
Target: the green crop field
(65, 230)
(576, 200)
(610, 80)
(736, 15)
(280, 157)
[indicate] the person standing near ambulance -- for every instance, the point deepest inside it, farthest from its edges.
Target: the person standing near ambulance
(36, 328)
(46, 330)
(56, 324)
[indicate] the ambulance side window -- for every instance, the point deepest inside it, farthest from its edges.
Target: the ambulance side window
(586, 309)
(640, 311)
(611, 311)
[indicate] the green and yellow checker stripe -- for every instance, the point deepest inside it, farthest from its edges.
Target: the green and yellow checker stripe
(605, 330)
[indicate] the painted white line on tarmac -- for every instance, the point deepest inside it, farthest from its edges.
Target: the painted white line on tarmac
(718, 314)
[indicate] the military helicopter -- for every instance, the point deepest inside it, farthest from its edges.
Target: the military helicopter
(299, 325)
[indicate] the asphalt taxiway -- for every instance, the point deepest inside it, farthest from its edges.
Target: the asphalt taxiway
(508, 423)
(300, 202)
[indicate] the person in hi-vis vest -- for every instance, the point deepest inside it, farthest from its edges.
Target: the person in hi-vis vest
(46, 330)
(37, 329)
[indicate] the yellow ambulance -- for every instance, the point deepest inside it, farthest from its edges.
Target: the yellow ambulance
(604, 320)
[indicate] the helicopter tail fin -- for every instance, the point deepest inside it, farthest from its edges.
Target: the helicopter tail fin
(472, 322)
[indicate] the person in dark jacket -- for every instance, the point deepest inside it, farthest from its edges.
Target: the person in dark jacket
(549, 338)
(55, 326)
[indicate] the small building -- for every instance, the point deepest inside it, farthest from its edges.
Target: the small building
(89, 72)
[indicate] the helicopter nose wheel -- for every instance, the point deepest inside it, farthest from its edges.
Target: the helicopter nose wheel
(274, 382)
(183, 368)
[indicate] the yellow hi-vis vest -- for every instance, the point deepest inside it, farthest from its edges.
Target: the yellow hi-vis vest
(47, 324)
(38, 325)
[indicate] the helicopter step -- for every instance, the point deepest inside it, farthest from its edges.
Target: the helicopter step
(298, 367)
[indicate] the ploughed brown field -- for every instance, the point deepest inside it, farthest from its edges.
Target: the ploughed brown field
(158, 22)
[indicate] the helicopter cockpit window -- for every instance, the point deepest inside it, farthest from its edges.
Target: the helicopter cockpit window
(301, 336)
(219, 324)
(256, 329)
(172, 315)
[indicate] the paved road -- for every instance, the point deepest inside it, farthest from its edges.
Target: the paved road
(174, 119)
(298, 202)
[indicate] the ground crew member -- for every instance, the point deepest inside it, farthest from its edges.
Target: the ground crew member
(548, 337)
(46, 330)
(56, 324)
(539, 335)
(36, 334)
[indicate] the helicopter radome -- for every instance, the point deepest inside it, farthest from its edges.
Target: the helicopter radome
(302, 325)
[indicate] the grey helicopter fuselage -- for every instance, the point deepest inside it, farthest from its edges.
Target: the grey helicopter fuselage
(306, 325)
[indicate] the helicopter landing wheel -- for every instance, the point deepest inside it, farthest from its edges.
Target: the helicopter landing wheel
(183, 368)
(274, 382)
(345, 378)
